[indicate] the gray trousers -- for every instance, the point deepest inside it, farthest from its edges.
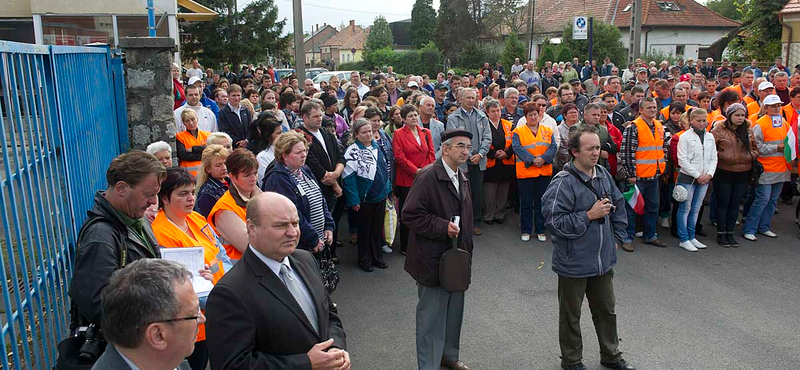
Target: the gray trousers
(439, 317)
(475, 177)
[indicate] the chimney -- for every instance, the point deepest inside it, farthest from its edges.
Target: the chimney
(353, 24)
(317, 30)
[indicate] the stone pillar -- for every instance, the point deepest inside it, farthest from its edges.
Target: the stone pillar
(148, 89)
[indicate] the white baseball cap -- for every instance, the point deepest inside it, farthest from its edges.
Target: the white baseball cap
(772, 100)
(194, 80)
(413, 83)
(765, 85)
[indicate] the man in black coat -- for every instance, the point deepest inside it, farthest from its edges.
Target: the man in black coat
(272, 310)
(234, 118)
(114, 234)
(439, 192)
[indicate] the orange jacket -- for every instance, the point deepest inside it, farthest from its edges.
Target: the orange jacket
(650, 153)
(188, 140)
(226, 203)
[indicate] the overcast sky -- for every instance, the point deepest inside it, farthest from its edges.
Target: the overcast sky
(342, 11)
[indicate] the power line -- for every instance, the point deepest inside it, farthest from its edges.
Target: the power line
(348, 10)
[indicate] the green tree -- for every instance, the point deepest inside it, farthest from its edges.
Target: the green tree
(505, 16)
(249, 35)
(547, 54)
(455, 27)
(606, 43)
(725, 8)
(565, 54)
(423, 23)
(760, 21)
(380, 35)
(513, 48)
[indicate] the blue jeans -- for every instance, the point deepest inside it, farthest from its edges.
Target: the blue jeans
(531, 191)
(688, 210)
(649, 190)
(763, 208)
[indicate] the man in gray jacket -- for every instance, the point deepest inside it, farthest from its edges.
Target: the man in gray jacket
(427, 118)
(473, 120)
(585, 214)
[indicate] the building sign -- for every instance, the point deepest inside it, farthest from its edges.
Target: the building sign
(580, 29)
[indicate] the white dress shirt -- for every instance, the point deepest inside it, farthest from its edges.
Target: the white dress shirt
(453, 175)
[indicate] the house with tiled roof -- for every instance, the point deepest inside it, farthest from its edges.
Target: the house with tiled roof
(313, 44)
(789, 18)
(677, 27)
(347, 46)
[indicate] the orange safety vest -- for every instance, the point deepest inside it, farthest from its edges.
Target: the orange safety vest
(774, 162)
(650, 153)
(713, 117)
(753, 108)
(226, 203)
(536, 145)
(747, 100)
(553, 102)
(509, 160)
(170, 236)
(188, 140)
(665, 111)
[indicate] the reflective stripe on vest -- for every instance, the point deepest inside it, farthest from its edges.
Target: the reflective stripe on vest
(509, 160)
(188, 140)
(536, 145)
(774, 162)
(226, 203)
(650, 152)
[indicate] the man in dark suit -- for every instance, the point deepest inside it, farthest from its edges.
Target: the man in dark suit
(272, 310)
(150, 317)
(234, 118)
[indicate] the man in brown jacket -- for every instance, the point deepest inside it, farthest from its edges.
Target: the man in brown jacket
(439, 192)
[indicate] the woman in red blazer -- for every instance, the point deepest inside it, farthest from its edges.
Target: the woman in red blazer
(413, 150)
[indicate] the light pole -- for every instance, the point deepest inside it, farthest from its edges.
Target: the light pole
(299, 50)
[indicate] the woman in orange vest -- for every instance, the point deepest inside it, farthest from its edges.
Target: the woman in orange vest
(499, 165)
(770, 132)
(228, 215)
(177, 226)
(189, 144)
(534, 150)
(724, 99)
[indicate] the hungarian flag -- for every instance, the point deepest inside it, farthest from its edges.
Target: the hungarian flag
(790, 145)
(635, 200)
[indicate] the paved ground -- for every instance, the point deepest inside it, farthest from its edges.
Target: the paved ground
(713, 309)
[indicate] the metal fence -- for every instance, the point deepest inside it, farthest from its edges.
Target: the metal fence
(62, 120)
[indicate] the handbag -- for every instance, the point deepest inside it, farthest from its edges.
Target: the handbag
(455, 269)
(755, 171)
(680, 193)
(328, 270)
(389, 222)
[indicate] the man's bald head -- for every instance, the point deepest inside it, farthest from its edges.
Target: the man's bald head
(259, 202)
(273, 225)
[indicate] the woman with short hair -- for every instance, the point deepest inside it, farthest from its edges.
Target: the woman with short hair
(178, 93)
(270, 127)
(162, 151)
(212, 178)
(190, 143)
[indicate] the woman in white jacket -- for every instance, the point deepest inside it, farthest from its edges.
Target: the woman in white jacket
(697, 156)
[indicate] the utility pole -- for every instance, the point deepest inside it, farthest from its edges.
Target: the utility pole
(531, 6)
(635, 43)
(591, 37)
(299, 50)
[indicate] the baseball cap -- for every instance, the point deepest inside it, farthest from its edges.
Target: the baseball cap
(450, 72)
(574, 81)
(439, 86)
(641, 69)
(686, 77)
(772, 100)
(194, 80)
(725, 73)
(414, 84)
(765, 85)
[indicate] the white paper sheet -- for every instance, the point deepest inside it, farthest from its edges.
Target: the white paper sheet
(192, 259)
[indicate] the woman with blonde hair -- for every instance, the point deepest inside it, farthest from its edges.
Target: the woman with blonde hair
(190, 143)
(212, 178)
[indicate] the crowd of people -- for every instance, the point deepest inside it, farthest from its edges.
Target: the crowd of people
(266, 166)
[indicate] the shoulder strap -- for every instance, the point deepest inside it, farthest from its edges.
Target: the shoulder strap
(588, 184)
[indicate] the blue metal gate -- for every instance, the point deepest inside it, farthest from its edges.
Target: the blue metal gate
(62, 120)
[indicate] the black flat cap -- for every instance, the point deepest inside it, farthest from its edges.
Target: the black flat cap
(449, 134)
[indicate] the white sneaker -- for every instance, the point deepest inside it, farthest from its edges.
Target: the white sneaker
(639, 234)
(526, 237)
(769, 233)
(750, 237)
(541, 237)
(688, 246)
(665, 222)
(697, 244)
(386, 249)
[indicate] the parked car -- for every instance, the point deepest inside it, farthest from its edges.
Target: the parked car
(344, 76)
(282, 72)
(314, 72)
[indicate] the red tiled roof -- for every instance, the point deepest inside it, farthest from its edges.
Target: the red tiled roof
(792, 7)
(352, 36)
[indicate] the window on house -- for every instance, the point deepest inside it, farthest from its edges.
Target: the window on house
(627, 8)
(668, 6)
(680, 49)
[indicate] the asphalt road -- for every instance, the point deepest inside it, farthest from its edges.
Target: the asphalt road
(713, 309)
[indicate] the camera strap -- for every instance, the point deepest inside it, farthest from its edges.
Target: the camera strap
(587, 183)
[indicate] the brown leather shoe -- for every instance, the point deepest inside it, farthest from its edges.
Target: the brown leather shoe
(657, 243)
(454, 365)
(627, 247)
(477, 231)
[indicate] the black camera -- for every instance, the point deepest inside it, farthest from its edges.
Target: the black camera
(93, 346)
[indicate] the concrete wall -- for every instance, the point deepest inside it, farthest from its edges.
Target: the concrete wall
(99, 6)
(148, 87)
(16, 8)
(666, 40)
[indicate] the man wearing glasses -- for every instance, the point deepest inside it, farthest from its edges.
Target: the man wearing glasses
(151, 316)
(642, 156)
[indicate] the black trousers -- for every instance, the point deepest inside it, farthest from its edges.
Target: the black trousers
(599, 291)
(729, 196)
(337, 209)
(402, 194)
(198, 360)
(370, 233)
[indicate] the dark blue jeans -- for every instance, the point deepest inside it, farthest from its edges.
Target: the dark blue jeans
(649, 190)
(530, 210)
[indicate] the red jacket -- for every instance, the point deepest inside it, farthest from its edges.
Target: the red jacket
(410, 156)
(616, 135)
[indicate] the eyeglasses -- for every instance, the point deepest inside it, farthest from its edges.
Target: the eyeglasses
(196, 318)
(462, 147)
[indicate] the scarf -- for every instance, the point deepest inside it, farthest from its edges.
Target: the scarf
(359, 160)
